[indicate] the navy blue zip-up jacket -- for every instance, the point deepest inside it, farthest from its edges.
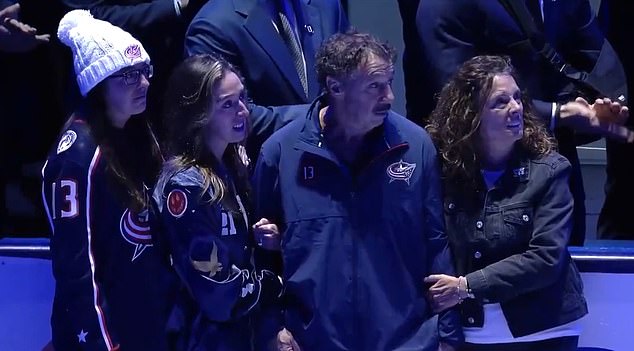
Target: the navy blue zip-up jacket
(111, 283)
(357, 243)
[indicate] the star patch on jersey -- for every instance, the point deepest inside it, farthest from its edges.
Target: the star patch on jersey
(66, 141)
(177, 203)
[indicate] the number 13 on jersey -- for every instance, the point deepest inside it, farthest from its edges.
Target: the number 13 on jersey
(64, 202)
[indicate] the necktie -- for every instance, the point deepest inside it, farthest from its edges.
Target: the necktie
(292, 41)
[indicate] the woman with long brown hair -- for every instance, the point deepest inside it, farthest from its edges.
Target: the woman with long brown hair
(110, 288)
(204, 204)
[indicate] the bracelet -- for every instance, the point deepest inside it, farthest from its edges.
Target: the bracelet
(458, 294)
(464, 292)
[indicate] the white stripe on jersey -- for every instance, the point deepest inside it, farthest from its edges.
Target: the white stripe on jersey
(46, 209)
(100, 315)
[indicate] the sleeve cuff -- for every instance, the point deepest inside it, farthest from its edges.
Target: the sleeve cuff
(554, 111)
(477, 282)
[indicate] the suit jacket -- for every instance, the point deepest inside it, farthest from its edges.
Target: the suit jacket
(243, 32)
(453, 31)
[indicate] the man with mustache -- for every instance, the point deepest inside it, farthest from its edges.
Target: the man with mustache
(355, 190)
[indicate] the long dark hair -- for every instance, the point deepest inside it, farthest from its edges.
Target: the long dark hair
(188, 99)
(132, 153)
(455, 121)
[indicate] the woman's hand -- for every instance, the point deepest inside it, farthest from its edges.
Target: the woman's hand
(444, 291)
(267, 235)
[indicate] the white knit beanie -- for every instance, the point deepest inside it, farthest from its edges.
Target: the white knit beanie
(99, 48)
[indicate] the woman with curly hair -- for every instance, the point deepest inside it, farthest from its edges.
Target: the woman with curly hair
(508, 213)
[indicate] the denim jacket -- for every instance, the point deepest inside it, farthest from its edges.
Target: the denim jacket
(510, 243)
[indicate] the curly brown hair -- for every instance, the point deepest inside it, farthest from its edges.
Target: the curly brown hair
(455, 121)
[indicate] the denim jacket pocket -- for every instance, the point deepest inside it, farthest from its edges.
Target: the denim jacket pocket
(518, 222)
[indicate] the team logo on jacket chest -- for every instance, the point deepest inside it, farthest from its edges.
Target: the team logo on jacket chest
(135, 229)
(400, 170)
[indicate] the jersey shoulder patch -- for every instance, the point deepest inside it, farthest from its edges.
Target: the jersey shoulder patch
(66, 141)
(177, 203)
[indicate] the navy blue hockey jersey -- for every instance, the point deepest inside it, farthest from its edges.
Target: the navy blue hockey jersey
(111, 285)
(210, 248)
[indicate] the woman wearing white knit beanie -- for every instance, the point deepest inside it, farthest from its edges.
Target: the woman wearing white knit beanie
(111, 281)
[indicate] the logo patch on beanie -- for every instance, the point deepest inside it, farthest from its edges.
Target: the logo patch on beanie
(133, 51)
(66, 141)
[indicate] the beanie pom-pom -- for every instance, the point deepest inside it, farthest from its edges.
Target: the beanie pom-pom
(70, 21)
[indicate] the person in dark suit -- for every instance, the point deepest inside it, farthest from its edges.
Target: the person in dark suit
(419, 96)
(33, 72)
(615, 221)
(251, 36)
(453, 31)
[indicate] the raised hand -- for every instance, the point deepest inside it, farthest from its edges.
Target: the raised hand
(604, 117)
(16, 36)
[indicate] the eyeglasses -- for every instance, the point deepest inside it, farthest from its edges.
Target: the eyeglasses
(132, 77)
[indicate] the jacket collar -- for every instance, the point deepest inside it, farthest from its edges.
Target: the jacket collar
(310, 136)
(520, 166)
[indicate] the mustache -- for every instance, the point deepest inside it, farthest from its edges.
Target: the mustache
(383, 107)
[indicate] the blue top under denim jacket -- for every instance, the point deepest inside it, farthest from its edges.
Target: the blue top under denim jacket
(510, 243)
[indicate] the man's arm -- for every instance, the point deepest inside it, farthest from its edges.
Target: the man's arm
(438, 253)
(137, 19)
(210, 32)
(268, 204)
(447, 31)
(264, 121)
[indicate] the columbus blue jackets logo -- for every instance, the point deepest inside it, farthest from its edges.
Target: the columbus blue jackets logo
(400, 171)
(133, 51)
(66, 141)
(135, 229)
